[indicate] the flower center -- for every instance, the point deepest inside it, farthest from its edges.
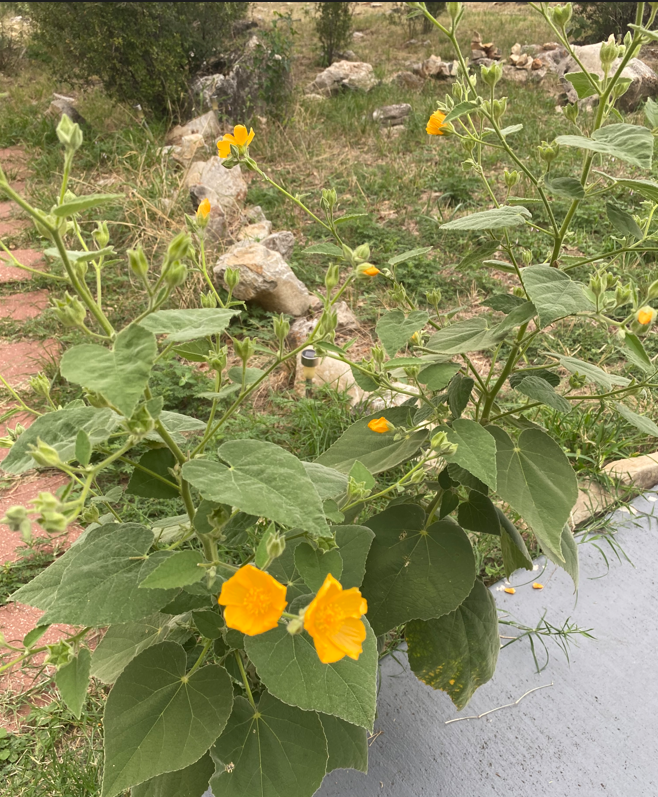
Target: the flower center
(329, 619)
(257, 601)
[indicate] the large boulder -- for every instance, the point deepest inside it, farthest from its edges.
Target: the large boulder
(228, 184)
(353, 75)
(207, 126)
(282, 242)
(255, 232)
(391, 115)
(644, 80)
(265, 279)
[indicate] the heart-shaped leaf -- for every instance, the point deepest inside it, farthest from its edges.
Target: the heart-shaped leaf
(395, 329)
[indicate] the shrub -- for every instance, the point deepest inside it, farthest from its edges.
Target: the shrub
(320, 566)
(333, 24)
(142, 53)
(593, 22)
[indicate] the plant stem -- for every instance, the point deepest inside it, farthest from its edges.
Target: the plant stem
(245, 680)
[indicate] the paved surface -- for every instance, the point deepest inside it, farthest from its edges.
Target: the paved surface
(593, 732)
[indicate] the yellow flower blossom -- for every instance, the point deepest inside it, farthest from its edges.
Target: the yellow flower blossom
(239, 138)
(254, 601)
(436, 126)
(204, 209)
(371, 271)
(646, 315)
(379, 425)
(333, 619)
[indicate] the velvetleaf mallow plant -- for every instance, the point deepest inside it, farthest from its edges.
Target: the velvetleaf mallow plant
(243, 637)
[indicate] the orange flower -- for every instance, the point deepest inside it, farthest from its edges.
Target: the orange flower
(509, 590)
(537, 585)
(379, 425)
(646, 315)
(204, 209)
(239, 138)
(333, 619)
(436, 126)
(254, 601)
(371, 271)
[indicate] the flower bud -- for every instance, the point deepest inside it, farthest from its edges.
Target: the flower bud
(176, 274)
(275, 546)
(244, 349)
(548, 152)
(611, 281)
(511, 178)
(96, 399)
(60, 653)
(15, 517)
(623, 295)
(645, 316)
(90, 514)
(457, 91)
(178, 249)
(80, 267)
(438, 441)
(281, 328)
(561, 15)
(141, 422)
(138, 262)
(40, 384)
(366, 270)
(101, 234)
(571, 112)
(357, 490)
(491, 74)
(453, 10)
(326, 543)
(361, 254)
(218, 360)
(69, 134)
(202, 213)
(54, 522)
(219, 517)
(329, 199)
(526, 257)
(332, 277)
(595, 286)
(232, 278)
(577, 381)
(608, 52)
(295, 626)
(377, 354)
(434, 297)
(45, 455)
(499, 107)
(208, 300)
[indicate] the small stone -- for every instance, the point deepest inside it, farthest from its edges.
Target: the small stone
(59, 108)
(346, 55)
(550, 46)
(407, 80)
(186, 151)
(282, 242)
(255, 232)
(314, 97)
(358, 36)
(435, 68)
(207, 126)
(355, 76)
(390, 115)
(228, 184)
(516, 49)
(265, 278)
(255, 214)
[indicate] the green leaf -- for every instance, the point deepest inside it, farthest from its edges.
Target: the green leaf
(378, 452)
(328, 482)
(273, 750)
(363, 380)
(123, 641)
(503, 302)
(554, 294)
(314, 565)
(184, 325)
(415, 573)
(158, 461)
(324, 249)
(354, 544)
(480, 253)
(651, 112)
(158, 719)
(83, 448)
(291, 670)
(651, 34)
(623, 222)
(466, 478)
(263, 480)
(478, 513)
(72, 681)
(410, 255)
(499, 265)
(635, 352)
(119, 374)
(350, 217)
(581, 81)
(96, 582)
(495, 219)
(362, 475)
(570, 554)
(347, 744)
(536, 480)
(476, 450)
(80, 257)
(209, 623)
(196, 351)
(458, 652)
(394, 330)
(438, 375)
(33, 636)
(568, 187)
(284, 570)
(646, 188)
(189, 782)
(641, 422)
(178, 570)
(515, 553)
(459, 394)
(551, 377)
(60, 430)
(461, 109)
(538, 389)
(630, 143)
(251, 375)
(593, 373)
(507, 131)
(464, 336)
(82, 203)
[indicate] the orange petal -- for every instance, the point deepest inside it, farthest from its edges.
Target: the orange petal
(350, 637)
(241, 135)
(351, 603)
(509, 590)
(251, 136)
(537, 585)
(224, 148)
(233, 592)
(327, 652)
